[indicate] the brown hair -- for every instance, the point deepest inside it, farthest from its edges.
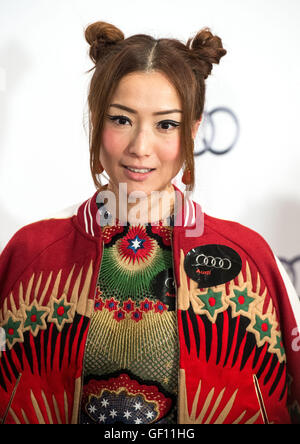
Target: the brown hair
(186, 66)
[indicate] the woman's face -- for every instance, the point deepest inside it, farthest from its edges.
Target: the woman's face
(141, 134)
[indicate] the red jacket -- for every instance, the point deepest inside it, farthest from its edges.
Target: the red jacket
(236, 310)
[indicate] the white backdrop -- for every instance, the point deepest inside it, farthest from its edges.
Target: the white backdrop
(44, 161)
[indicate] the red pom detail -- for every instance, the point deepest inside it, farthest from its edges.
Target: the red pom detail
(265, 327)
(241, 300)
(60, 311)
(212, 302)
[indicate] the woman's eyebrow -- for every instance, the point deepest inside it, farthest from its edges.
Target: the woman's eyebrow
(130, 110)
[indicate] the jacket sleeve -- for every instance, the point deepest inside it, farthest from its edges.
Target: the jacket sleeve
(12, 262)
(11, 266)
(25, 255)
(280, 291)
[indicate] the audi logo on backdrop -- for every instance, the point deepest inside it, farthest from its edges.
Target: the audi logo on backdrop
(292, 267)
(218, 133)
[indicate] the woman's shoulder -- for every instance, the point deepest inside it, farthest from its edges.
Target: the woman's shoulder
(45, 230)
(236, 232)
(37, 235)
(32, 239)
(46, 242)
(252, 245)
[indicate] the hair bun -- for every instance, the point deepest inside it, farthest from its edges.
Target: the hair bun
(207, 48)
(101, 36)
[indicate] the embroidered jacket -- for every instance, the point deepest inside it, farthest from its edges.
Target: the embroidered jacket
(237, 314)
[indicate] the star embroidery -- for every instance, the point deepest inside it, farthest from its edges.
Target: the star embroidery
(104, 403)
(61, 312)
(111, 304)
(242, 300)
(127, 414)
(35, 318)
(279, 345)
(119, 315)
(102, 418)
(146, 305)
(128, 305)
(212, 301)
(11, 329)
(263, 327)
(137, 406)
(160, 307)
(136, 243)
(136, 246)
(113, 413)
(92, 409)
(136, 316)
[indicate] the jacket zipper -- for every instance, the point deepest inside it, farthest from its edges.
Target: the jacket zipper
(260, 399)
(84, 353)
(11, 399)
(178, 342)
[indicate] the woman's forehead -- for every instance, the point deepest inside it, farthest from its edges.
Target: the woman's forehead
(152, 89)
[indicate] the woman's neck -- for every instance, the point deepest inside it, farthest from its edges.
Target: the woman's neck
(139, 208)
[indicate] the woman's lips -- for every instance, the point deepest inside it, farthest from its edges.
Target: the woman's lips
(138, 177)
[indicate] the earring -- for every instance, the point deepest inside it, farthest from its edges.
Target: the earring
(186, 177)
(100, 168)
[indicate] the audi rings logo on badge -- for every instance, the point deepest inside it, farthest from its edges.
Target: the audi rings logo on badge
(214, 262)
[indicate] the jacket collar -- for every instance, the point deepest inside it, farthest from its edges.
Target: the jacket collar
(188, 215)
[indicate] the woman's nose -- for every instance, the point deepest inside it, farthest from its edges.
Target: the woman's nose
(141, 143)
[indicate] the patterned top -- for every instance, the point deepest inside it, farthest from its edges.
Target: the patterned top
(132, 353)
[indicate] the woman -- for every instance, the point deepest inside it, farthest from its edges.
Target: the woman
(137, 307)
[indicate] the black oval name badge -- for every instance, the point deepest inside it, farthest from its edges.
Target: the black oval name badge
(211, 265)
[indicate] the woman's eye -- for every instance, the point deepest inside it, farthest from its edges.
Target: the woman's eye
(168, 124)
(119, 120)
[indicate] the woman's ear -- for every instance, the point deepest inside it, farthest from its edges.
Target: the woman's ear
(196, 127)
